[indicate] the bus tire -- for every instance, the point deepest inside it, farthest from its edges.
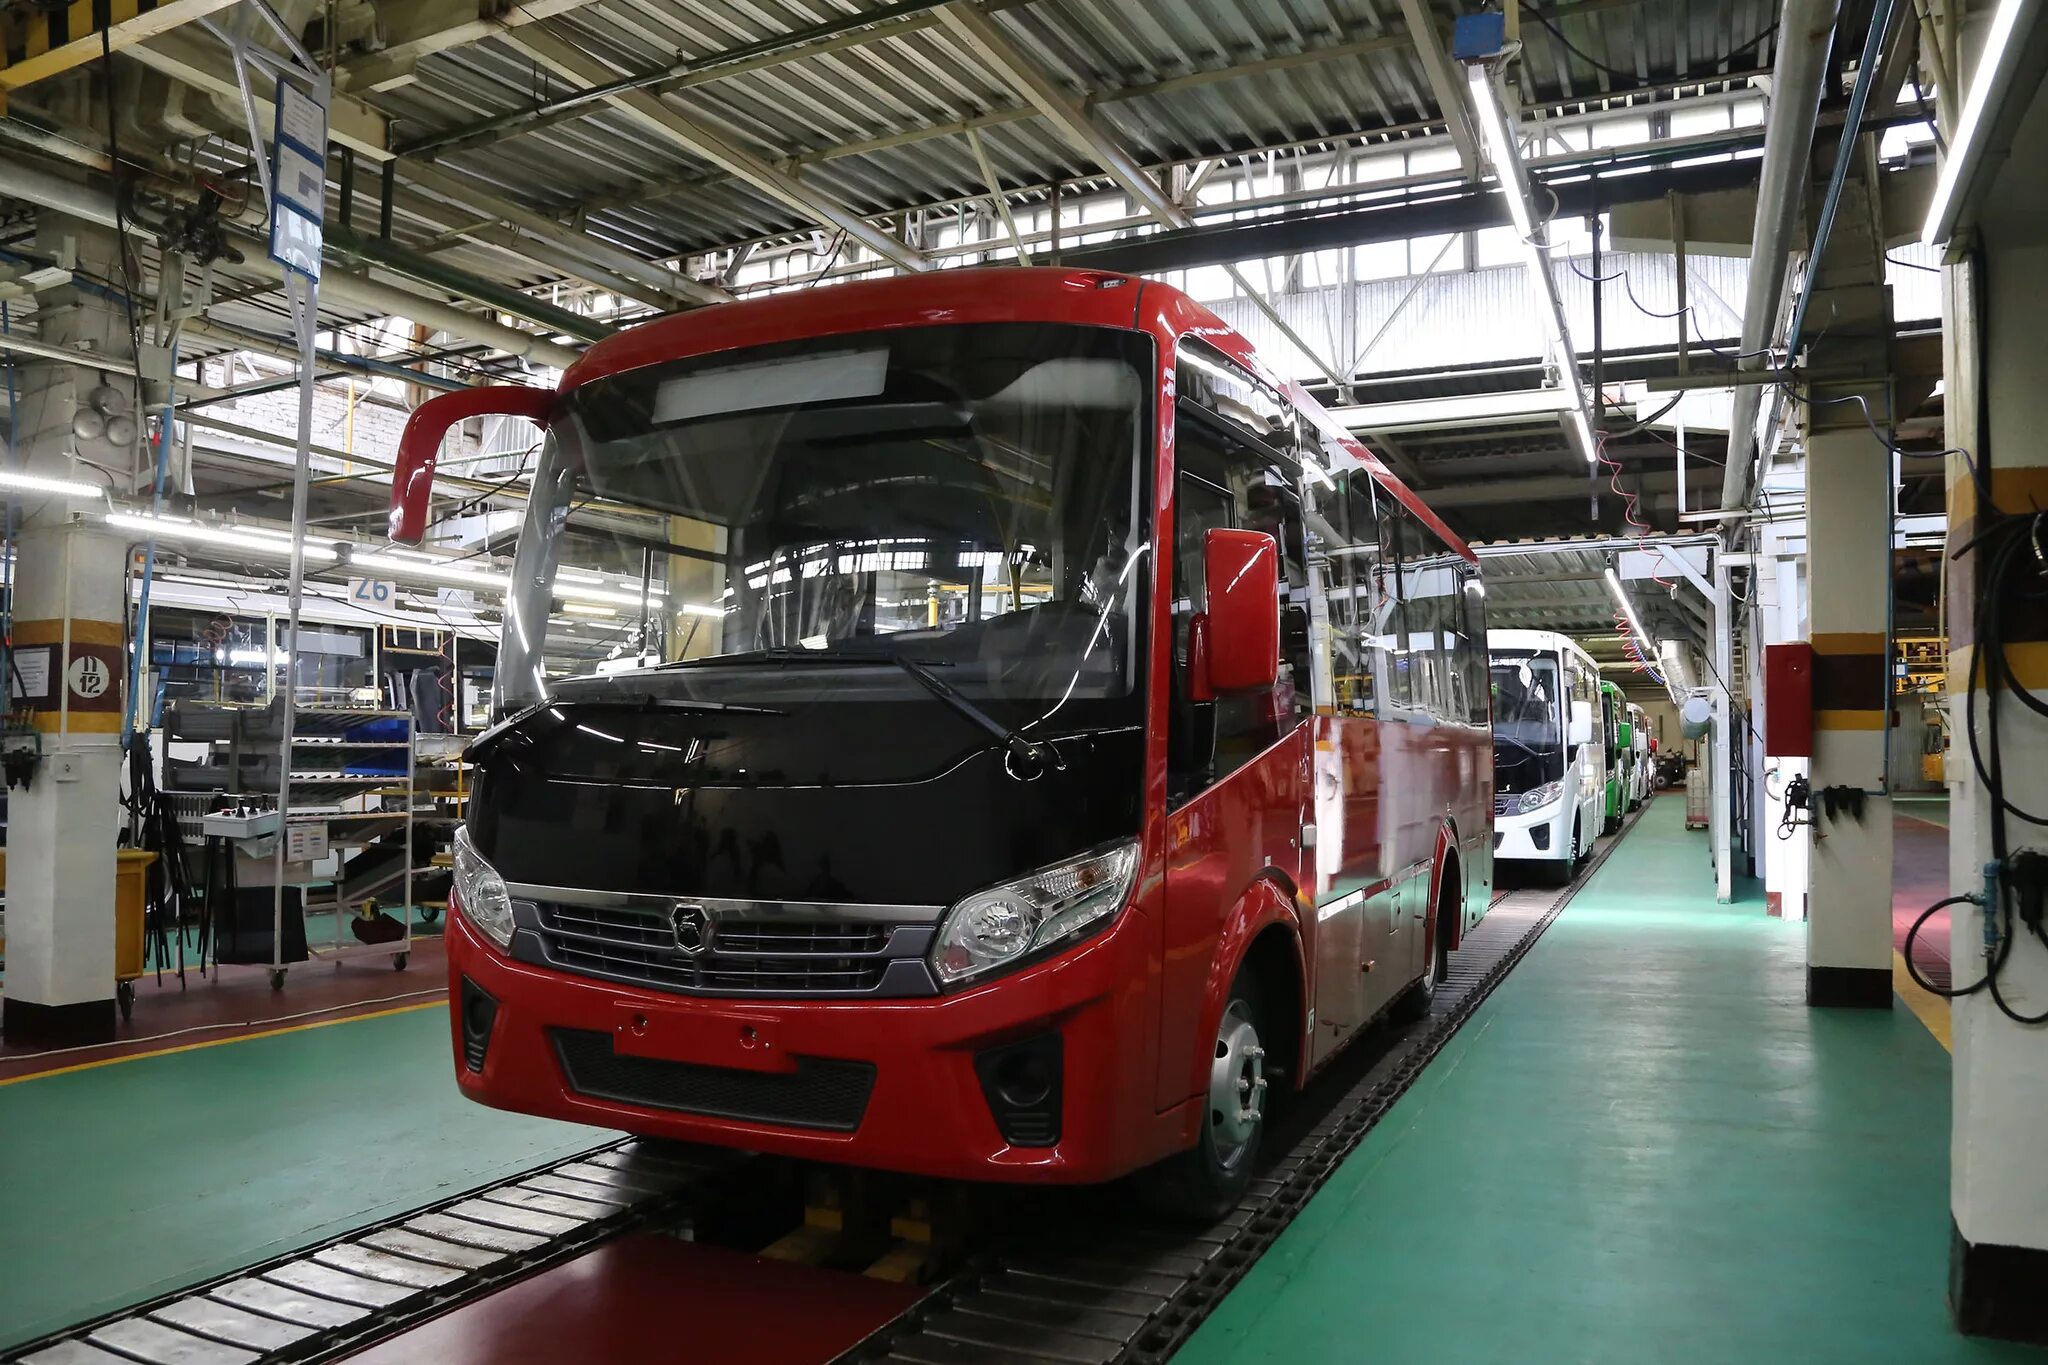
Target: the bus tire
(1206, 1181)
(1413, 1004)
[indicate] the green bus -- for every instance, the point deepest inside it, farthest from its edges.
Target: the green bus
(1620, 752)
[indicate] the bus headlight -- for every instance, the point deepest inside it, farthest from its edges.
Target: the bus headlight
(1002, 924)
(1540, 797)
(480, 892)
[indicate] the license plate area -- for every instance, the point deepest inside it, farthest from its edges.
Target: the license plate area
(741, 1039)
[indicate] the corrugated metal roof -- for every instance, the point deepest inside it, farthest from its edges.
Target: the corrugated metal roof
(1142, 69)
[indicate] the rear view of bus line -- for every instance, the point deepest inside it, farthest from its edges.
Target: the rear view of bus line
(1045, 739)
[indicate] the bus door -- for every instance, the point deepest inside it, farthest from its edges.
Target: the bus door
(1238, 766)
(1357, 944)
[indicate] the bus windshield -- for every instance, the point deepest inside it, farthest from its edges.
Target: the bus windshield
(963, 498)
(1528, 722)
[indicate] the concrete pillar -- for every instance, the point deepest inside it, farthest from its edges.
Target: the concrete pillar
(70, 662)
(1999, 1186)
(1849, 502)
(1849, 890)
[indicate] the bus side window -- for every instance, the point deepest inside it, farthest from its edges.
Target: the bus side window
(1232, 479)
(1344, 548)
(1472, 658)
(1375, 592)
(1406, 687)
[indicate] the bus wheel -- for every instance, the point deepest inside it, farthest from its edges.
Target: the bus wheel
(1206, 1181)
(1413, 1004)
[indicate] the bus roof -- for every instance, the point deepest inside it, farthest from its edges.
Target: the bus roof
(1537, 642)
(986, 294)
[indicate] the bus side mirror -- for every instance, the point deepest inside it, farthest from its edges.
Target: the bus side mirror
(1582, 723)
(1237, 641)
(419, 446)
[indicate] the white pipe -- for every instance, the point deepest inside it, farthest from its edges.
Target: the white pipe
(341, 286)
(1806, 30)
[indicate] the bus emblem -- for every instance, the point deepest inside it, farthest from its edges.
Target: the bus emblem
(691, 928)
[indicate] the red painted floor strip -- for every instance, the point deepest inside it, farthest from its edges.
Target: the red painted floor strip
(1919, 879)
(651, 1298)
(232, 1001)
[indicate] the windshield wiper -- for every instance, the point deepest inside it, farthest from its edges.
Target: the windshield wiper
(774, 654)
(1033, 756)
(490, 738)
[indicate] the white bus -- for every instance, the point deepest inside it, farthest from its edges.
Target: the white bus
(1549, 752)
(1641, 781)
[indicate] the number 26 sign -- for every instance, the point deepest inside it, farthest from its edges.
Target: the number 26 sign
(372, 592)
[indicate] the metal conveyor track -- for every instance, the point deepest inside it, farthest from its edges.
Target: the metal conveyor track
(1073, 1289)
(1115, 1294)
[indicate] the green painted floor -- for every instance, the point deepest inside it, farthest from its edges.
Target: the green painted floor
(1929, 806)
(1643, 1148)
(126, 1181)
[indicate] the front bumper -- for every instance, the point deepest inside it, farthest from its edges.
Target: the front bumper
(925, 1108)
(1535, 837)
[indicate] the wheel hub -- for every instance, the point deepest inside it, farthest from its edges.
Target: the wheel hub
(1237, 1084)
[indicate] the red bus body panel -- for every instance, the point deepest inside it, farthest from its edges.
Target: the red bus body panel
(1137, 1005)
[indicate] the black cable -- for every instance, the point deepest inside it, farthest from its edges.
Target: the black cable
(2009, 553)
(830, 261)
(1628, 288)
(1551, 27)
(1649, 421)
(120, 190)
(1863, 406)
(494, 490)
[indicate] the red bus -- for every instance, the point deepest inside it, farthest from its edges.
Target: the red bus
(1042, 737)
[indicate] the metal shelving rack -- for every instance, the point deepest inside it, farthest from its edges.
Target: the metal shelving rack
(346, 826)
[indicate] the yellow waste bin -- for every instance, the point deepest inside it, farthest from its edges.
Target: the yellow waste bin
(131, 882)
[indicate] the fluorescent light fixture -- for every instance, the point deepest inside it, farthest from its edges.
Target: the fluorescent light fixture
(1998, 77)
(447, 574)
(1580, 424)
(1514, 186)
(228, 537)
(583, 609)
(63, 488)
(1461, 410)
(1628, 610)
(699, 609)
(576, 592)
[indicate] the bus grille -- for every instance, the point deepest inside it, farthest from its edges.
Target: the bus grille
(1504, 803)
(820, 1093)
(755, 957)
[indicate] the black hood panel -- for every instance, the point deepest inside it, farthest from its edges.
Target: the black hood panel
(881, 802)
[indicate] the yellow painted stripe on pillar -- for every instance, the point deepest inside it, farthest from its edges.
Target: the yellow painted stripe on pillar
(2027, 660)
(1848, 642)
(2015, 488)
(1929, 1008)
(51, 632)
(81, 722)
(1849, 720)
